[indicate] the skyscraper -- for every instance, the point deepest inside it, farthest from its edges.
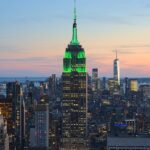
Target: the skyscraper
(42, 126)
(4, 139)
(117, 70)
(14, 93)
(74, 105)
(94, 79)
(6, 111)
(52, 82)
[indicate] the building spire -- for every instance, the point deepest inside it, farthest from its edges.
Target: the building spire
(74, 40)
(75, 11)
(116, 54)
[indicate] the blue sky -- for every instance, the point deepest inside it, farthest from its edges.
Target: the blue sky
(35, 33)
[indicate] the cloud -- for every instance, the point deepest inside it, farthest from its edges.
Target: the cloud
(122, 51)
(7, 72)
(30, 66)
(109, 19)
(133, 49)
(29, 59)
(45, 60)
(135, 46)
(12, 49)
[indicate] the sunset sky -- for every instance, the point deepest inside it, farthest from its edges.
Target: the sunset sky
(35, 33)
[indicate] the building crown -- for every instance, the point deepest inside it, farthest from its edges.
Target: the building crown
(74, 40)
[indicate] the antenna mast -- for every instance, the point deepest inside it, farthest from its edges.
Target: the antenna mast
(75, 14)
(116, 54)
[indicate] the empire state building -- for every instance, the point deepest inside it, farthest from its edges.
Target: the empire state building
(74, 102)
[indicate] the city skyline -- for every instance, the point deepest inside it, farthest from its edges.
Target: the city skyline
(34, 36)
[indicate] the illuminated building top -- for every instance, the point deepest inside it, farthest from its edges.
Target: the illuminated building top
(74, 59)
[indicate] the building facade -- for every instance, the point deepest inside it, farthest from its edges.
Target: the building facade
(133, 85)
(74, 104)
(42, 126)
(14, 93)
(4, 138)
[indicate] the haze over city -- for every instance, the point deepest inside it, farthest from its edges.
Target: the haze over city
(35, 33)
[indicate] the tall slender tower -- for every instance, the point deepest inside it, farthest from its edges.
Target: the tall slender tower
(117, 69)
(74, 102)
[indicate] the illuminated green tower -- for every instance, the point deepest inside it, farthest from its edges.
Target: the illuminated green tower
(74, 104)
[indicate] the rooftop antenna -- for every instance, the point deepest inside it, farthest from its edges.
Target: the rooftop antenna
(75, 11)
(116, 54)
